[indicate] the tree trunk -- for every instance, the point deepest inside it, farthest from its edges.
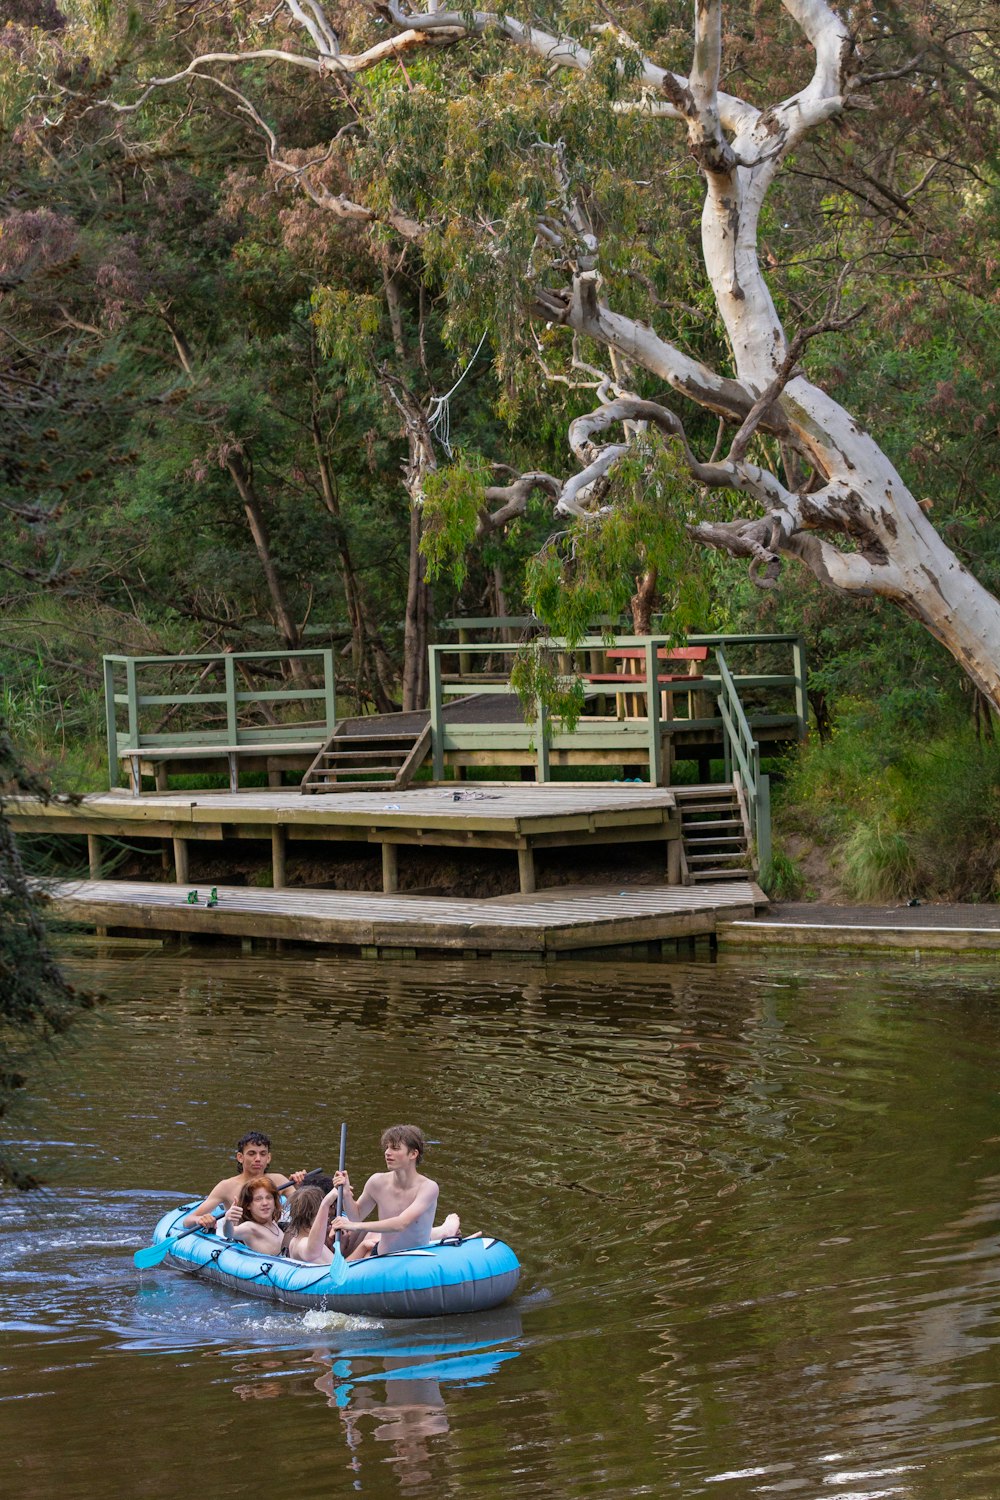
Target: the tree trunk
(420, 460)
(258, 530)
(642, 603)
(415, 636)
(373, 670)
(237, 471)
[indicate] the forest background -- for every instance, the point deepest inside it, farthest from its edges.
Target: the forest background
(221, 343)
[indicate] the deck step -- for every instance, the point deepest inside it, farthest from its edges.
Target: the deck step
(687, 808)
(368, 762)
(713, 822)
(354, 773)
(322, 788)
(715, 839)
(362, 755)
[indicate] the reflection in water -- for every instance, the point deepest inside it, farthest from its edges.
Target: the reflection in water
(757, 1210)
(400, 1401)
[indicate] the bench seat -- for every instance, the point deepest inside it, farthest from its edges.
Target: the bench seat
(162, 755)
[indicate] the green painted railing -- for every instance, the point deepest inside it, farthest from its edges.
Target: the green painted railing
(235, 701)
(453, 675)
(742, 754)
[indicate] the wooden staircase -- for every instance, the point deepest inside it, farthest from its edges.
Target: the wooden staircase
(715, 833)
(384, 757)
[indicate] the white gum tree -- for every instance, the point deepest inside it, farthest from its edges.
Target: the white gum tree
(833, 502)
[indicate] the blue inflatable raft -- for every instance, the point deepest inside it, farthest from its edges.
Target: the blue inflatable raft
(463, 1276)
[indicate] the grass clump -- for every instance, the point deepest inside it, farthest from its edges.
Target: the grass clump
(879, 864)
(782, 879)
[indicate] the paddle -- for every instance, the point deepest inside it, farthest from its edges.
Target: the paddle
(340, 1191)
(151, 1255)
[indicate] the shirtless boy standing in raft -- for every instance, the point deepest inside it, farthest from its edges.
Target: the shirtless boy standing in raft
(253, 1152)
(405, 1200)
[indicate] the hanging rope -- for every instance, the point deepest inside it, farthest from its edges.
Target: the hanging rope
(439, 416)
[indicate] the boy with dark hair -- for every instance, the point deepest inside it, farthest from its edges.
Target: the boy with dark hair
(404, 1199)
(253, 1152)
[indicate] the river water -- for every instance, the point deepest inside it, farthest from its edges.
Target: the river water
(756, 1203)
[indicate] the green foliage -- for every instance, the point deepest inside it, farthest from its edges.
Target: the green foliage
(454, 496)
(906, 814)
(781, 878)
(593, 568)
(348, 326)
(37, 1003)
(544, 689)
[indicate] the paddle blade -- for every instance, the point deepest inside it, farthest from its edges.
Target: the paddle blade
(151, 1255)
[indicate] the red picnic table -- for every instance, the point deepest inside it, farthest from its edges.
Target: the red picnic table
(632, 674)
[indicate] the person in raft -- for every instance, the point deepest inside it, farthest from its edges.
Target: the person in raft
(309, 1222)
(253, 1152)
(405, 1200)
(253, 1218)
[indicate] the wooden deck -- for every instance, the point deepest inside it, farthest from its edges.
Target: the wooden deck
(519, 817)
(641, 921)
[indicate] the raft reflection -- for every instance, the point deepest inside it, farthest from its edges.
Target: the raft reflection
(411, 1365)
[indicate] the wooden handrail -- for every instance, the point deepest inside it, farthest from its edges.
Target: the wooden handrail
(228, 698)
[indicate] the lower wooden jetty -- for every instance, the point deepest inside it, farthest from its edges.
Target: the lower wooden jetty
(635, 922)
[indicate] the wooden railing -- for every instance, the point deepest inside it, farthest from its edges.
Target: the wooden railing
(247, 714)
(454, 674)
(742, 758)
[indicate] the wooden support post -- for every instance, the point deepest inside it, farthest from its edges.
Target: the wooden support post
(330, 692)
(234, 772)
(232, 732)
(667, 758)
(673, 861)
(464, 659)
(525, 868)
(390, 867)
(181, 868)
(278, 881)
(160, 773)
(653, 715)
(542, 745)
(132, 699)
(111, 721)
(436, 713)
(801, 697)
(274, 776)
(94, 855)
(135, 774)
